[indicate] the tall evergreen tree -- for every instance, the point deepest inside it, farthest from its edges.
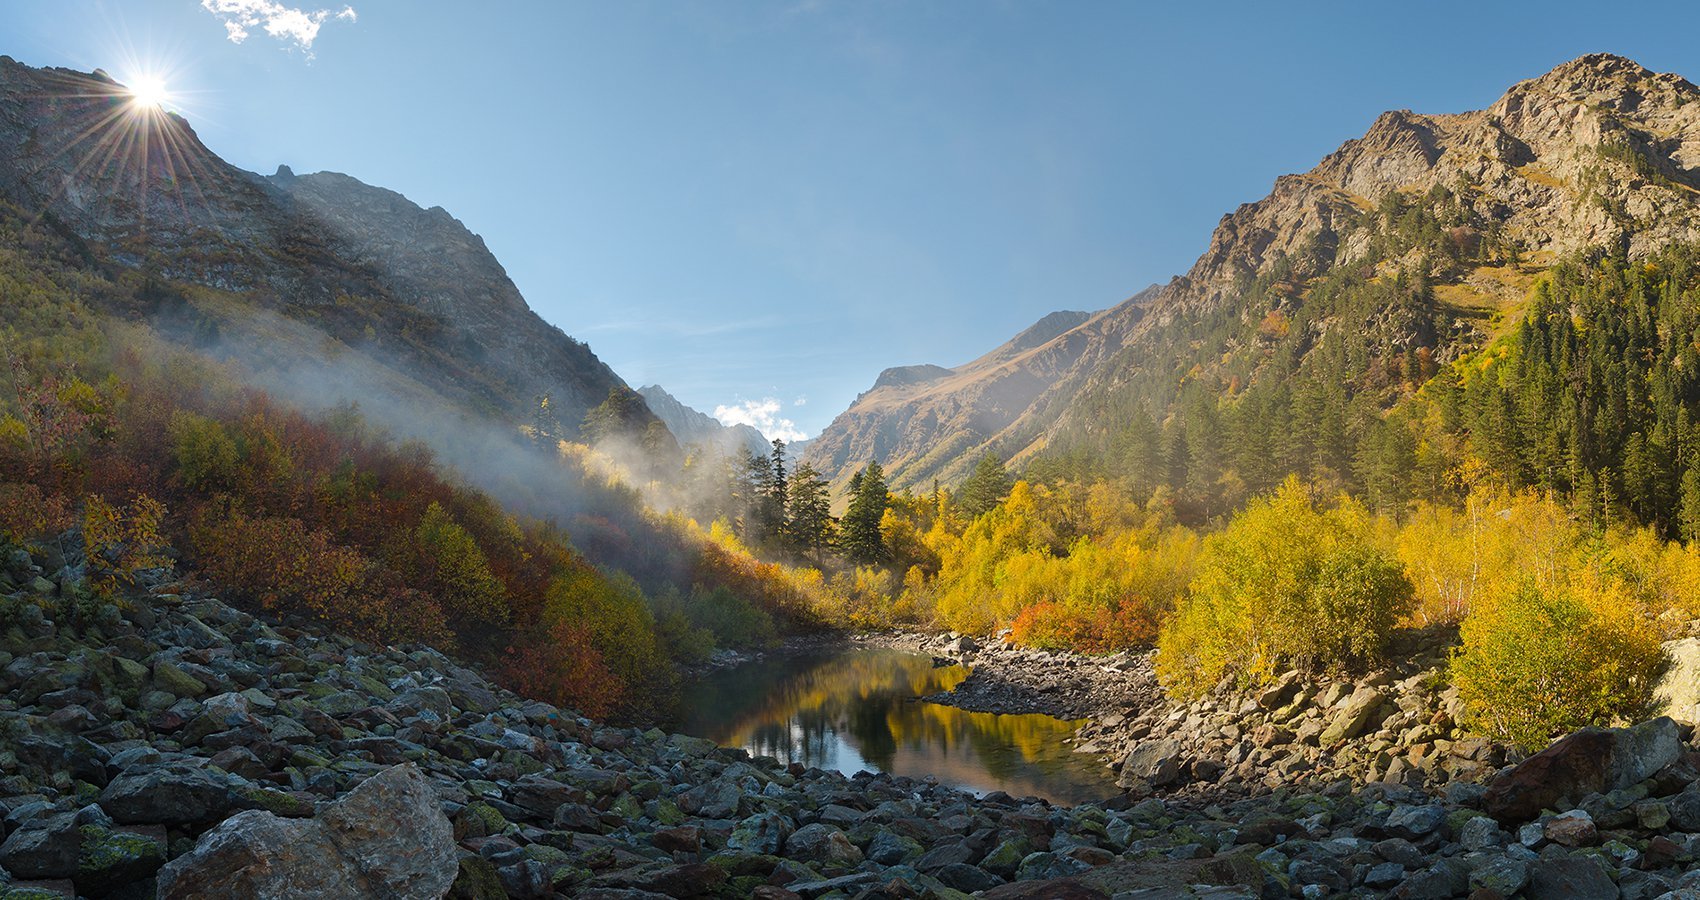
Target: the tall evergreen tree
(861, 539)
(809, 522)
(984, 489)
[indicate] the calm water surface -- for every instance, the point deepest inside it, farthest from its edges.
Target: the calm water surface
(856, 709)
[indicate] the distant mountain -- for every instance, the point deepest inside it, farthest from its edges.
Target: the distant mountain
(694, 427)
(334, 287)
(925, 421)
(1449, 216)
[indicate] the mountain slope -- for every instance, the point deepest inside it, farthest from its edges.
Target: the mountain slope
(924, 422)
(413, 296)
(692, 426)
(1599, 154)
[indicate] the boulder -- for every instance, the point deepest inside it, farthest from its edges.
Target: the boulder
(1359, 713)
(1569, 878)
(1593, 760)
(172, 794)
(1154, 763)
(1677, 694)
(385, 839)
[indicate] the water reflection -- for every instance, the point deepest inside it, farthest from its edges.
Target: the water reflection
(856, 710)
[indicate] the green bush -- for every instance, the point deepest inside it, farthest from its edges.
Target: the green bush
(1284, 586)
(1535, 665)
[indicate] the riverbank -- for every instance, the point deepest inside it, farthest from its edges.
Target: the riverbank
(170, 745)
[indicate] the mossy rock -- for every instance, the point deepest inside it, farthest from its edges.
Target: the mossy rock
(668, 813)
(476, 880)
(176, 682)
(278, 803)
(28, 893)
(479, 819)
(108, 860)
(737, 864)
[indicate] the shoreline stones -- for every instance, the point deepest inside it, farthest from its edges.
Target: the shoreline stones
(314, 755)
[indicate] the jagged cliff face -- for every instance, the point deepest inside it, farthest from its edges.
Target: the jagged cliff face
(1598, 153)
(411, 292)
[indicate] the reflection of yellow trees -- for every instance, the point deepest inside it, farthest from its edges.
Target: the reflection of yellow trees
(865, 701)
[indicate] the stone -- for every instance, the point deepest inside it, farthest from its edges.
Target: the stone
(1503, 875)
(1683, 810)
(1412, 822)
(387, 838)
(1043, 865)
(1569, 878)
(967, 878)
(1593, 760)
(173, 680)
(1572, 829)
(1384, 875)
(1155, 762)
(109, 859)
(1677, 694)
(1358, 713)
(44, 847)
(761, 833)
(822, 844)
(172, 794)
(889, 848)
(1481, 833)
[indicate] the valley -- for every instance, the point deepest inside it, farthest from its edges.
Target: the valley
(1361, 560)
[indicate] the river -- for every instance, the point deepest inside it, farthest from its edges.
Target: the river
(857, 709)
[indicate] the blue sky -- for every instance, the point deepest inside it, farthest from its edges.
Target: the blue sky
(754, 201)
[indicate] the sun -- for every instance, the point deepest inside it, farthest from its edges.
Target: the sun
(148, 92)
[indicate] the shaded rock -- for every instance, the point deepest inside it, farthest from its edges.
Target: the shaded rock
(822, 844)
(1569, 878)
(761, 833)
(1572, 829)
(385, 839)
(1593, 760)
(108, 860)
(44, 847)
(175, 794)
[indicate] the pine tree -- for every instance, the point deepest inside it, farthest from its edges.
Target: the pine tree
(809, 521)
(861, 527)
(1690, 513)
(984, 489)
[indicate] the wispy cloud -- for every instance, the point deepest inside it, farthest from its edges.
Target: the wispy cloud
(763, 416)
(289, 24)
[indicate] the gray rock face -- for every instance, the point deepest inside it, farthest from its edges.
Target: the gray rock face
(385, 839)
(1678, 690)
(1155, 762)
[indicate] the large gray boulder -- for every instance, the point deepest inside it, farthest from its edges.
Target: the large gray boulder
(385, 839)
(1155, 763)
(1678, 691)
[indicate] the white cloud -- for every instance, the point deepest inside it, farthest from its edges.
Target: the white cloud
(285, 23)
(763, 416)
(801, 400)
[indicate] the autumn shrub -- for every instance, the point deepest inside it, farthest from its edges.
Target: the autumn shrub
(120, 542)
(563, 665)
(1284, 586)
(1538, 663)
(282, 565)
(205, 454)
(457, 571)
(28, 514)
